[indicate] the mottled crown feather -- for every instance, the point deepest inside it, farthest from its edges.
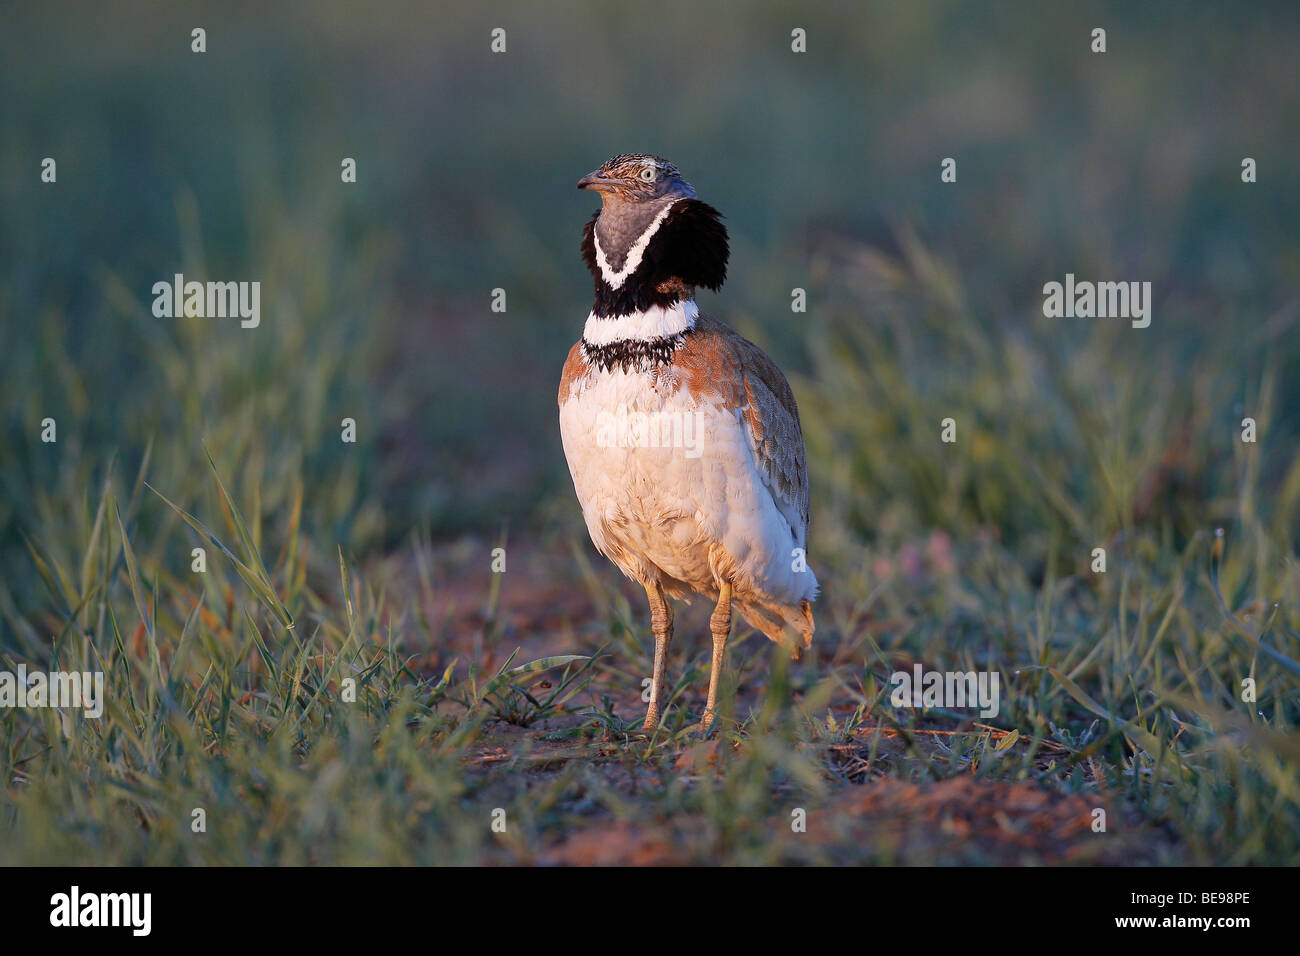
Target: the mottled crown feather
(633, 163)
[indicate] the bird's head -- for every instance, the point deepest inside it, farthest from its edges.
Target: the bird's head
(637, 178)
(652, 242)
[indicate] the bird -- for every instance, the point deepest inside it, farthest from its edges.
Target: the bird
(682, 438)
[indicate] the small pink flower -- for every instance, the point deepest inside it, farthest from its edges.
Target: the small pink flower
(909, 557)
(940, 553)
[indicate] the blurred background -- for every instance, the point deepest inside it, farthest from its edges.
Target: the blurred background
(376, 295)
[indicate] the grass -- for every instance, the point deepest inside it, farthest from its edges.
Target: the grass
(349, 682)
(229, 690)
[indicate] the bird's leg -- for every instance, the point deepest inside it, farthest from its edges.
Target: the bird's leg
(661, 623)
(720, 626)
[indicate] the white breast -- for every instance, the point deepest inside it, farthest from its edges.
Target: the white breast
(661, 476)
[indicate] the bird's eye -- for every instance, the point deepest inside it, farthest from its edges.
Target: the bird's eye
(648, 174)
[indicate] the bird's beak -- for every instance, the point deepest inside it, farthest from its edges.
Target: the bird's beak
(597, 182)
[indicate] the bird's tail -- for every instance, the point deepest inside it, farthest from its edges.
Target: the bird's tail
(778, 620)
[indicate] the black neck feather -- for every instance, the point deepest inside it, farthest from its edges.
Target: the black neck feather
(634, 355)
(688, 249)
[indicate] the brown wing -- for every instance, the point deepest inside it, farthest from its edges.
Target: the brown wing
(575, 366)
(720, 360)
